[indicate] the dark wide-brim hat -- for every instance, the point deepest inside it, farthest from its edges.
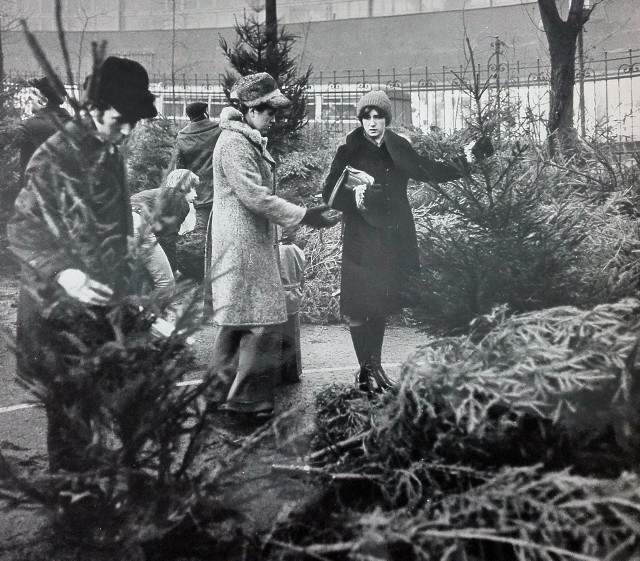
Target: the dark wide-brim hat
(124, 85)
(259, 89)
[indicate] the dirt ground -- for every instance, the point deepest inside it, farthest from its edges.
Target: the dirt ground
(328, 358)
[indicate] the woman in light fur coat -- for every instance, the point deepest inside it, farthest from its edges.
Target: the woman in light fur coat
(247, 297)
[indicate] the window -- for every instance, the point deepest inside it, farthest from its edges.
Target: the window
(336, 107)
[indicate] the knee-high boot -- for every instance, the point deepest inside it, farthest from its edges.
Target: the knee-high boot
(362, 346)
(376, 328)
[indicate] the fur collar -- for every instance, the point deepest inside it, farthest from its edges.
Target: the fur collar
(232, 120)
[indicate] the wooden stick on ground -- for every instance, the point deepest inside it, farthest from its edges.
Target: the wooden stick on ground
(346, 444)
(304, 469)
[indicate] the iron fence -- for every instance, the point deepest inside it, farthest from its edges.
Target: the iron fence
(607, 95)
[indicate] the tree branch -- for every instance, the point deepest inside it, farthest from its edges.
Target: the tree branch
(578, 14)
(549, 13)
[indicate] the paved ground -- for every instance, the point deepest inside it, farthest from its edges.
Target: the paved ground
(328, 358)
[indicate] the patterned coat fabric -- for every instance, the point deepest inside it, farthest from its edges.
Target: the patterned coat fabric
(380, 265)
(242, 252)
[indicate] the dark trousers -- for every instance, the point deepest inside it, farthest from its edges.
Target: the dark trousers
(367, 337)
(291, 358)
(202, 217)
(66, 441)
(244, 361)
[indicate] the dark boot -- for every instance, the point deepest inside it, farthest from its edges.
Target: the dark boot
(380, 376)
(364, 377)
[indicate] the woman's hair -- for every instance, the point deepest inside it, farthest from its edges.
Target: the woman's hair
(181, 179)
(171, 206)
(366, 110)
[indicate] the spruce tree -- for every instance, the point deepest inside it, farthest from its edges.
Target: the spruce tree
(257, 49)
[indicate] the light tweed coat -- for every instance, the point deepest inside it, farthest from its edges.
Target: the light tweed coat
(243, 253)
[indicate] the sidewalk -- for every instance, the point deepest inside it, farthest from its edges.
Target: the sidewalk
(328, 358)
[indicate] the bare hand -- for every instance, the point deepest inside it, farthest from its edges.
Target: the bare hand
(80, 287)
(359, 195)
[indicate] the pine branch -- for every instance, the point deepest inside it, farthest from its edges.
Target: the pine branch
(44, 63)
(293, 469)
(63, 43)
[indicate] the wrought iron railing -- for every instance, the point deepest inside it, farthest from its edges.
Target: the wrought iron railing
(434, 98)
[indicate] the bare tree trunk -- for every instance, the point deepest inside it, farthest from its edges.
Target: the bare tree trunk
(1, 58)
(271, 31)
(562, 37)
(3, 107)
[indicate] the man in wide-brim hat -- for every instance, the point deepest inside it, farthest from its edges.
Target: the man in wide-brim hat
(70, 228)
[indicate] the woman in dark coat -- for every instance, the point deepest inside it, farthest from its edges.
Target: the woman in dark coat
(380, 262)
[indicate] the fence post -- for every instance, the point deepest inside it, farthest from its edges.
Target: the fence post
(606, 90)
(444, 98)
(581, 105)
(631, 114)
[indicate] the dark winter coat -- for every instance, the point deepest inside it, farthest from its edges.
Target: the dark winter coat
(195, 144)
(32, 132)
(74, 212)
(380, 265)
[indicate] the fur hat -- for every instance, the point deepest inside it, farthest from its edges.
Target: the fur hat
(258, 89)
(46, 88)
(376, 99)
(196, 110)
(124, 85)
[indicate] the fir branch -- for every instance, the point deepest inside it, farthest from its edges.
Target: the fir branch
(63, 43)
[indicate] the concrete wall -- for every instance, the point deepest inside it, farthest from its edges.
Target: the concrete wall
(417, 41)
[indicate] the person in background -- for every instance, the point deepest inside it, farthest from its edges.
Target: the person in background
(70, 231)
(157, 217)
(292, 263)
(244, 289)
(194, 151)
(48, 118)
(380, 267)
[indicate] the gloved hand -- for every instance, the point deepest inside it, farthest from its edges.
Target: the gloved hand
(80, 287)
(374, 196)
(316, 217)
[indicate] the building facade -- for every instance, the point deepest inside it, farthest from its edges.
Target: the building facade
(181, 37)
(139, 15)
(412, 48)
